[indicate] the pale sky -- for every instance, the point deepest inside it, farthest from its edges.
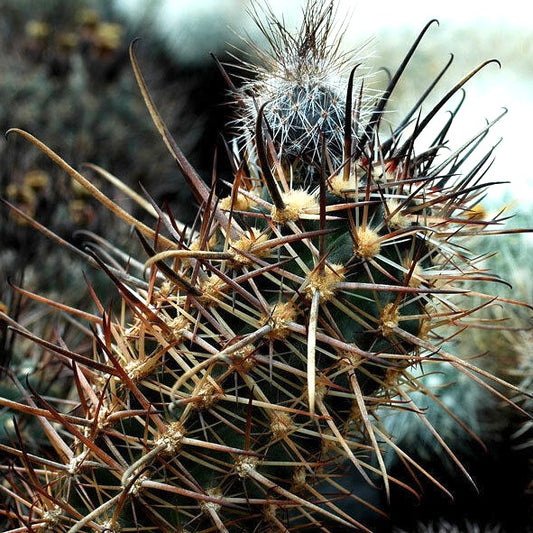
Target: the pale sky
(370, 16)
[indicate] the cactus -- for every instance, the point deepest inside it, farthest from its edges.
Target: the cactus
(240, 382)
(300, 81)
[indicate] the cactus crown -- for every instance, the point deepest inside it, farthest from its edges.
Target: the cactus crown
(238, 386)
(301, 81)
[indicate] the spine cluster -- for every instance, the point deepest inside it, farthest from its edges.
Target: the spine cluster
(300, 81)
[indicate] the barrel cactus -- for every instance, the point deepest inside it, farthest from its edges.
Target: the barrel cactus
(239, 383)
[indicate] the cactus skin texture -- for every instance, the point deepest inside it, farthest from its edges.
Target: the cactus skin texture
(235, 387)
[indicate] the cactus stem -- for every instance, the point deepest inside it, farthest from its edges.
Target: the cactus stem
(361, 406)
(245, 378)
(311, 350)
(223, 356)
(270, 181)
(88, 518)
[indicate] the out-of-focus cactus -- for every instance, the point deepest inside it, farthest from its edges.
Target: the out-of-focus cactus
(66, 75)
(446, 527)
(241, 381)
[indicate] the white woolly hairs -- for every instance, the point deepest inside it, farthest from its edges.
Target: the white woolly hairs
(302, 83)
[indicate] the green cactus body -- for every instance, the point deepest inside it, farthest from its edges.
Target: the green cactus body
(237, 386)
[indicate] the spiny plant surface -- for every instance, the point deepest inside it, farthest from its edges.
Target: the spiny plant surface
(240, 382)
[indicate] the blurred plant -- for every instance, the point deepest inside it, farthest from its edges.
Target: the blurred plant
(66, 75)
(242, 381)
(446, 527)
